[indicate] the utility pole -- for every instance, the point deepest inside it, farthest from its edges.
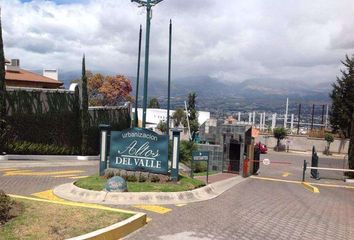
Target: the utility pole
(286, 113)
(136, 121)
(326, 125)
(169, 80)
(298, 120)
(148, 4)
(312, 115)
(323, 110)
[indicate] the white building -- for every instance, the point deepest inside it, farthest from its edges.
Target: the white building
(155, 115)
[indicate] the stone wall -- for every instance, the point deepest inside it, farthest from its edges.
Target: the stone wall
(215, 156)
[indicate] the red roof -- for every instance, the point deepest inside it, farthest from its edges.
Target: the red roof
(26, 76)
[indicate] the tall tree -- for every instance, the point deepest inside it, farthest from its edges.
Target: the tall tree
(2, 93)
(108, 90)
(84, 109)
(154, 103)
(342, 115)
(178, 116)
(342, 97)
(116, 89)
(192, 114)
(351, 150)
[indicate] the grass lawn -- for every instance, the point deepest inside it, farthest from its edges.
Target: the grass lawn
(205, 173)
(97, 183)
(37, 221)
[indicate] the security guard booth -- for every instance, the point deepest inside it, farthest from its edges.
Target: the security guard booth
(235, 142)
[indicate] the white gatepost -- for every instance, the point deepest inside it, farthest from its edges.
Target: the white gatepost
(264, 120)
(274, 120)
(286, 113)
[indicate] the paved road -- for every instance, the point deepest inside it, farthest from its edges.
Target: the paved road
(28, 177)
(263, 209)
(258, 209)
(254, 209)
(289, 166)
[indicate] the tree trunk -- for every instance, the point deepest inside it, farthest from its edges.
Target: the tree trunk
(351, 149)
(278, 144)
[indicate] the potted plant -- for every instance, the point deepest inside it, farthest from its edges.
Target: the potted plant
(329, 139)
(279, 134)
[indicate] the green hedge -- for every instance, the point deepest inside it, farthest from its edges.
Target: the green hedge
(61, 128)
(49, 123)
(40, 149)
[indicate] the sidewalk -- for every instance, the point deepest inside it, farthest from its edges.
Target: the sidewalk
(216, 177)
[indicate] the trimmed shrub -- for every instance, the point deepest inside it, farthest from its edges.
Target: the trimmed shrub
(154, 179)
(5, 207)
(142, 178)
(200, 167)
(131, 178)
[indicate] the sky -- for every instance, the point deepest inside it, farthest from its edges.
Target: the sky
(294, 40)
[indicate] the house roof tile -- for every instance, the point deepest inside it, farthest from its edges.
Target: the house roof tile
(27, 76)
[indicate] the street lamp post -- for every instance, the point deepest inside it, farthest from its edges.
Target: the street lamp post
(148, 4)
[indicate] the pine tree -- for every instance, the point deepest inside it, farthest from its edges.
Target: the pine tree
(2, 93)
(351, 150)
(343, 99)
(192, 114)
(342, 115)
(84, 110)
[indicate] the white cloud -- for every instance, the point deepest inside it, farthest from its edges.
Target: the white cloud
(231, 40)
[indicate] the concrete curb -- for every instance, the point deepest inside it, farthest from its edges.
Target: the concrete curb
(310, 187)
(349, 180)
(116, 231)
(51, 157)
(70, 192)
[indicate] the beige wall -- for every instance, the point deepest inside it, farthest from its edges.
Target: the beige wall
(304, 143)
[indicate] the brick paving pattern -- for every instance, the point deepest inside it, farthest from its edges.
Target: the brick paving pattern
(27, 185)
(258, 209)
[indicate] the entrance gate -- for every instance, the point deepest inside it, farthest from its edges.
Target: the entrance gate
(234, 156)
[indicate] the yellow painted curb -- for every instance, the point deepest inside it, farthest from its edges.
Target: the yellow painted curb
(154, 208)
(116, 231)
(310, 187)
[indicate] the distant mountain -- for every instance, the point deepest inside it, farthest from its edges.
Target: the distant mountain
(207, 87)
(203, 86)
(211, 88)
(271, 87)
(67, 77)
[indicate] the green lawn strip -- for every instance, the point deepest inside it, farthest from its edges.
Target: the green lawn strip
(205, 173)
(97, 183)
(39, 221)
